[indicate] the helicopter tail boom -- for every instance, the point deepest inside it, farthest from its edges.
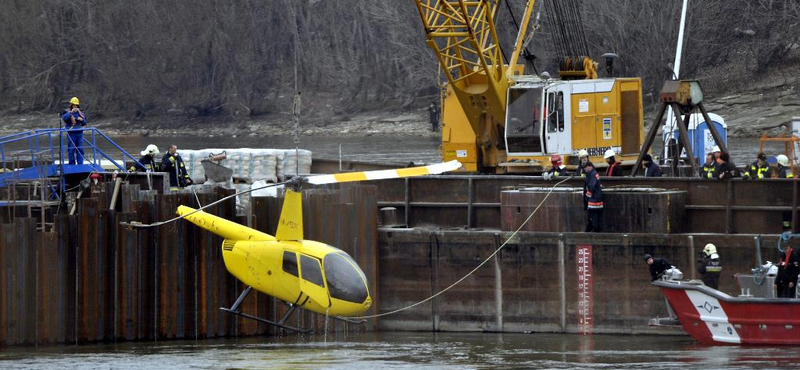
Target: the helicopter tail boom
(222, 227)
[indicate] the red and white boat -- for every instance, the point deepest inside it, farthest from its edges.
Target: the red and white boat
(713, 317)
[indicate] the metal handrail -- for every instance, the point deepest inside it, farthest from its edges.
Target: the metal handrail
(40, 141)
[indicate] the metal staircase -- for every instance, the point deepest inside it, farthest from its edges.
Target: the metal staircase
(39, 156)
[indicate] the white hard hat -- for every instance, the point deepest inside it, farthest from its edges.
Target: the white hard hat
(782, 160)
(151, 149)
(710, 249)
(609, 153)
(715, 149)
(583, 153)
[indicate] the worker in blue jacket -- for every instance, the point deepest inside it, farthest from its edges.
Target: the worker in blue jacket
(74, 119)
(593, 199)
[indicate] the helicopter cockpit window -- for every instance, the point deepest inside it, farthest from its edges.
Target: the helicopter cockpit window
(524, 120)
(345, 279)
(311, 270)
(555, 112)
(290, 263)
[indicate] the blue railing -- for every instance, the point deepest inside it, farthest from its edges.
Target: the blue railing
(46, 150)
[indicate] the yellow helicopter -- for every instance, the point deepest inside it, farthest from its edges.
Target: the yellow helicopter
(303, 273)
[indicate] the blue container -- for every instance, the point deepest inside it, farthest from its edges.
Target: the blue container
(700, 136)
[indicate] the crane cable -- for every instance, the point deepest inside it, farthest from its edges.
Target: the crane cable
(566, 28)
(527, 55)
(473, 270)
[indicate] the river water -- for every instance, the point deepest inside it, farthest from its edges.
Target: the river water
(397, 149)
(402, 149)
(409, 351)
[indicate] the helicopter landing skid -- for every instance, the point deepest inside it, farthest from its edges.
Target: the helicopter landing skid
(235, 310)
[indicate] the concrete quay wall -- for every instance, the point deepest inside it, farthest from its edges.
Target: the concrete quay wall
(533, 286)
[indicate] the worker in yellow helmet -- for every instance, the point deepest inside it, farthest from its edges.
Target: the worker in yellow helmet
(74, 120)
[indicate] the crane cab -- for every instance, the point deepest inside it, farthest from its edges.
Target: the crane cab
(563, 117)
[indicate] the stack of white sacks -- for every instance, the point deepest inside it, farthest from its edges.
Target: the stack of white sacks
(252, 168)
(250, 165)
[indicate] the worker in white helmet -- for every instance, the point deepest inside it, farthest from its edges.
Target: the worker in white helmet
(583, 158)
(148, 163)
(614, 168)
(710, 266)
(783, 170)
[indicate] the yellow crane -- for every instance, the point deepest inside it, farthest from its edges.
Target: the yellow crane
(495, 119)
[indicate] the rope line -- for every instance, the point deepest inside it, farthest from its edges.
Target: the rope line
(473, 270)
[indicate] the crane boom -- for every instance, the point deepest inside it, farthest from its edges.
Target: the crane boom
(497, 120)
(464, 38)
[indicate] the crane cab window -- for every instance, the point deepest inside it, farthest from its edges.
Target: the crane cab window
(524, 120)
(290, 263)
(555, 112)
(311, 270)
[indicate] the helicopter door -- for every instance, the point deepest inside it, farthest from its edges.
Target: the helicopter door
(557, 133)
(312, 281)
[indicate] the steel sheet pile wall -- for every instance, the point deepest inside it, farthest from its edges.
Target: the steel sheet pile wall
(522, 289)
(92, 279)
(712, 206)
(626, 210)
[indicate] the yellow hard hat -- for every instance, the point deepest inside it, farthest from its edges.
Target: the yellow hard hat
(710, 249)
(75, 101)
(583, 153)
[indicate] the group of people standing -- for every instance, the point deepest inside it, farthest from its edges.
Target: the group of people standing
(74, 120)
(709, 266)
(719, 166)
(171, 163)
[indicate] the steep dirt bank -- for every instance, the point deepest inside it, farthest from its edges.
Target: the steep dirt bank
(751, 109)
(385, 123)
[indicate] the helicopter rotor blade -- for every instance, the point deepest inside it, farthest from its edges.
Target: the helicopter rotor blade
(433, 169)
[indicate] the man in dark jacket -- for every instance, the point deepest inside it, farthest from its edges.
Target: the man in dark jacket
(787, 274)
(710, 266)
(172, 163)
(709, 168)
(593, 199)
(759, 169)
(727, 169)
(780, 278)
(657, 266)
(433, 116)
(651, 169)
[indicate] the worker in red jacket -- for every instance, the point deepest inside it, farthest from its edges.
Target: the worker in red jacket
(614, 167)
